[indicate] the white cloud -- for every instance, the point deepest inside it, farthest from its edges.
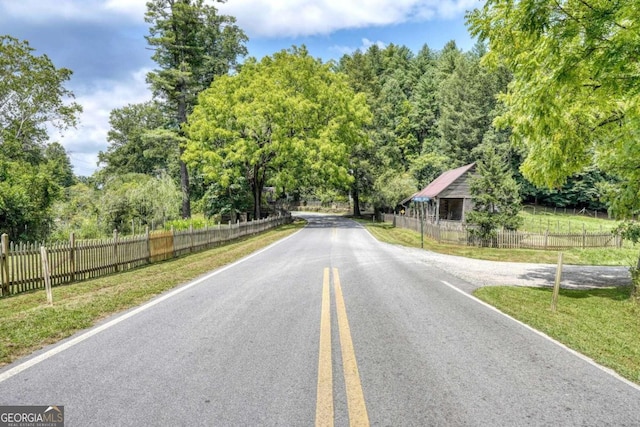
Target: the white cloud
(97, 102)
(292, 18)
(133, 8)
(73, 10)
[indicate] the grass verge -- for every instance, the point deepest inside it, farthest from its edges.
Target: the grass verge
(28, 323)
(603, 324)
(386, 232)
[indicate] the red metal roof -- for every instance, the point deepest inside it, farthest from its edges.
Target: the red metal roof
(441, 183)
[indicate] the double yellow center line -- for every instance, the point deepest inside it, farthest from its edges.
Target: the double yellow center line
(355, 397)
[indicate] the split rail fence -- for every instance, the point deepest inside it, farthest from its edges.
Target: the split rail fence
(459, 235)
(21, 263)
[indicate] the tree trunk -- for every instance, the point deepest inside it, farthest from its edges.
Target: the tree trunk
(184, 186)
(256, 186)
(356, 200)
(184, 173)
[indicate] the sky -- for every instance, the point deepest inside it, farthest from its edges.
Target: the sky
(103, 43)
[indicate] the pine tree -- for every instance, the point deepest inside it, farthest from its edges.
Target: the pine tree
(193, 45)
(495, 195)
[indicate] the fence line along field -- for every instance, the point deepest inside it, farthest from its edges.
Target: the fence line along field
(457, 233)
(21, 263)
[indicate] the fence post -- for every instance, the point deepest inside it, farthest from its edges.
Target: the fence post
(72, 255)
(556, 286)
(115, 250)
(147, 236)
(46, 273)
(584, 236)
(4, 255)
(173, 241)
(546, 239)
(191, 238)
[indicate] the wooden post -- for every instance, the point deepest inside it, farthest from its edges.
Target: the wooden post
(4, 258)
(47, 274)
(72, 255)
(556, 286)
(173, 241)
(148, 237)
(422, 226)
(546, 239)
(115, 250)
(191, 237)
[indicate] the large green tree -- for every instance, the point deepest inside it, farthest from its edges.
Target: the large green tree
(33, 97)
(575, 94)
(288, 120)
(193, 44)
(467, 103)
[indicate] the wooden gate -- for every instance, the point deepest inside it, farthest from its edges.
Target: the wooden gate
(161, 245)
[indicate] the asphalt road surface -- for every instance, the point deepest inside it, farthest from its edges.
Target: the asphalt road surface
(326, 327)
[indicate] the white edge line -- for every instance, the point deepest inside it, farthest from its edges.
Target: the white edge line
(547, 337)
(90, 333)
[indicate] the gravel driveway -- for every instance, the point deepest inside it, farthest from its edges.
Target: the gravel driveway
(490, 273)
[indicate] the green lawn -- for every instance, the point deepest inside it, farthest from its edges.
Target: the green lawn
(625, 256)
(560, 222)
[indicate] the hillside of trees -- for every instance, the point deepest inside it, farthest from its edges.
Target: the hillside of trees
(372, 127)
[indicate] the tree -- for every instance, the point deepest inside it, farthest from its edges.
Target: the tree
(138, 198)
(137, 142)
(193, 45)
(32, 173)
(575, 94)
(58, 165)
(495, 195)
(231, 200)
(32, 96)
(467, 103)
(288, 120)
(392, 188)
(77, 212)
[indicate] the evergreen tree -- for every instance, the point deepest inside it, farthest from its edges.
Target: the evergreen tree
(193, 45)
(495, 196)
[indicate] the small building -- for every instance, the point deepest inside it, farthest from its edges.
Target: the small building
(448, 197)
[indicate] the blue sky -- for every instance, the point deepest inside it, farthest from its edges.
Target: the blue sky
(102, 42)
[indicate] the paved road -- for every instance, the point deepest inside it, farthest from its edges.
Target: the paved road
(328, 325)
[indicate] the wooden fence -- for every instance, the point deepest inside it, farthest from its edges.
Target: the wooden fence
(21, 263)
(457, 233)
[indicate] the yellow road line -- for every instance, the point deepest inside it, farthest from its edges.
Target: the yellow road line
(324, 399)
(355, 397)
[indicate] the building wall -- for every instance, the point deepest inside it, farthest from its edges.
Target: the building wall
(459, 189)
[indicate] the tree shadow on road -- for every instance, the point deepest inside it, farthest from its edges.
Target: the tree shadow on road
(580, 277)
